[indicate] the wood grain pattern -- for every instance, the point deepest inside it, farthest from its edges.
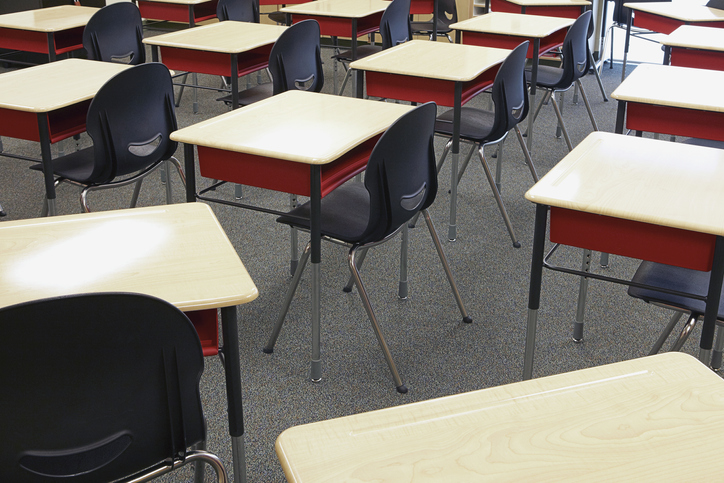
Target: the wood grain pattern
(52, 19)
(639, 179)
(436, 60)
(224, 37)
(299, 126)
(647, 419)
(673, 86)
(47, 87)
(178, 253)
(517, 24)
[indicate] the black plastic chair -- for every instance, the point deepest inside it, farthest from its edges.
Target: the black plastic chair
(574, 66)
(99, 387)
(400, 181)
(447, 14)
(238, 10)
(484, 128)
(129, 121)
(682, 280)
(115, 34)
(395, 28)
(295, 62)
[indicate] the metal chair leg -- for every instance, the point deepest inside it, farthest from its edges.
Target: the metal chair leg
(582, 294)
(269, 347)
(498, 199)
(2, 212)
(716, 355)
(588, 106)
(446, 266)
(401, 388)
(362, 253)
(598, 76)
(685, 332)
(526, 153)
(675, 318)
(562, 124)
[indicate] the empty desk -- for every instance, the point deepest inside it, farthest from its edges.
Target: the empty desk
(184, 11)
(657, 417)
(48, 103)
(297, 142)
(552, 8)
(665, 17)
(507, 31)
(422, 71)
(178, 253)
(680, 101)
(230, 49)
(640, 198)
(691, 46)
(51, 31)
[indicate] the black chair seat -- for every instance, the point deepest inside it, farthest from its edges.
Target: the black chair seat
(278, 17)
(362, 52)
(548, 76)
(673, 278)
(252, 94)
(707, 143)
(77, 166)
(345, 213)
(475, 124)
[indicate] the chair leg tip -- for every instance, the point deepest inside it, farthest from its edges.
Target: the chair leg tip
(516, 244)
(467, 319)
(347, 289)
(402, 389)
(267, 350)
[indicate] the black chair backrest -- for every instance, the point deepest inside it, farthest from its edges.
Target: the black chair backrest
(115, 34)
(96, 387)
(395, 27)
(238, 10)
(620, 13)
(718, 4)
(401, 177)
(575, 51)
(510, 92)
(295, 61)
(130, 120)
(447, 13)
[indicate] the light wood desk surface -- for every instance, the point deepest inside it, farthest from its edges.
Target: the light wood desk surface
(639, 179)
(298, 126)
(438, 60)
(47, 87)
(514, 24)
(682, 11)
(696, 37)
(178, 253)
(224, 37)
(52, 19)
(338, 8)
(640, 419)
(673, 86)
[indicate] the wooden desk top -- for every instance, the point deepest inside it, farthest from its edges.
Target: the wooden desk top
(640, 419)
(338, 8)
(224, 37)
(437, 60)
(550, 3)
(673, 86)
(514, 24)
(639, 179)
(679, 11)
(298, 126)
(694, 37)
(47, 87)
(52, 19)
(178, 253)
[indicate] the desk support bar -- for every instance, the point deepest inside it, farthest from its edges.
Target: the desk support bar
(712, 301)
